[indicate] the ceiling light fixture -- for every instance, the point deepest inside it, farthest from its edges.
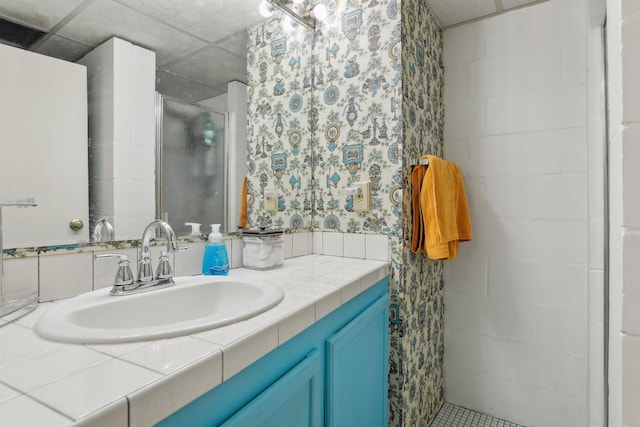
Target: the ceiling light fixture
(265, 8)
(308, 20)
(320, 12)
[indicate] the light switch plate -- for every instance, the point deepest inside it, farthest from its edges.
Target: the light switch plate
(271, 199)
(362, 201)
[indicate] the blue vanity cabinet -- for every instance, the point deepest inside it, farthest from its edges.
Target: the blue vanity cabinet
(356, 393)
(333, 373)
(297, 397)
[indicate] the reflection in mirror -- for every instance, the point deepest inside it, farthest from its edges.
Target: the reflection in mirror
(191, 177)
(199, 48)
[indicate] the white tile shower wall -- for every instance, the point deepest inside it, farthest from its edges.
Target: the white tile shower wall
(518, 299)
(596, 132)
(623, 32)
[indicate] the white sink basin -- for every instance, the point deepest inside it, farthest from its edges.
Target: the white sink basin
(194, 304)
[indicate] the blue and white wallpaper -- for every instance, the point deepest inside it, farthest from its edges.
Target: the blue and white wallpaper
(352, 104)
(420, 297)
(280, 155)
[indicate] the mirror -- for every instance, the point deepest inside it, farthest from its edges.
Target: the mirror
(200, 46)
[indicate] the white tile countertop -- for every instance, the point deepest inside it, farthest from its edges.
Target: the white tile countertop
(137, 384)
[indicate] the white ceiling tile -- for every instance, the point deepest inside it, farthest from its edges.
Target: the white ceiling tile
(104, 19)
(510, 4)
(62, 48)
(43, 15)
(178, 87)
(200, 66)
(236, 44)
(211, 20)
(453, 12)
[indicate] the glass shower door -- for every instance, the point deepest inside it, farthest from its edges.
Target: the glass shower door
(191, 173)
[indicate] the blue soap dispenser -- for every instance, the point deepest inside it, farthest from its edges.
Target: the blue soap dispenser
(216, 259)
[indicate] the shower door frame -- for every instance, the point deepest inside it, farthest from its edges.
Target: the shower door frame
(159, 117)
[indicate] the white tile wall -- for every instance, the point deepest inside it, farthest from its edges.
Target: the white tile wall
(376, 247)
(122, 74)
(236, 253)
(20, 275)
(354, 245)
(301, 244)
(351, 245)
(332, 243)
(64, 276)
(623, 32)
(317, 242)
(517, 305)
(189, 261)
(287, 246)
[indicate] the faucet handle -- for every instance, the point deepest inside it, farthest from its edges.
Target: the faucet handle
(124, 276)
(164, 267)
(145, 271)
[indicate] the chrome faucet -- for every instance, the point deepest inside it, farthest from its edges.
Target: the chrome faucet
(146, 281)
(103, 230)
(145, 271)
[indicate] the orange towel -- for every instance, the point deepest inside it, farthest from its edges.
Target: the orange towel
(445, 213)
(242, 221)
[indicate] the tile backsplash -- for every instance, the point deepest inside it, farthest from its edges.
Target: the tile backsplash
(60, 276)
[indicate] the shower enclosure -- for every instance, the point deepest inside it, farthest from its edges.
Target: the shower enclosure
(191, 165)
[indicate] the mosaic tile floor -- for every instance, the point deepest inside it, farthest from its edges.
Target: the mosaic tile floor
(456, 416)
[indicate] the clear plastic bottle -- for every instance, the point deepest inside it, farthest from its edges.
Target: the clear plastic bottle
(216, 259)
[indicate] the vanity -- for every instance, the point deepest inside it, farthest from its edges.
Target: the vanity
(319, 357)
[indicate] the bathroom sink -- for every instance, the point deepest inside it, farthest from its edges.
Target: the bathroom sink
(194, 304)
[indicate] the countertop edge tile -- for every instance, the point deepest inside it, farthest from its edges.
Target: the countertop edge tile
(296, 322)
(116, 414)
(242, 353)
(158, 400)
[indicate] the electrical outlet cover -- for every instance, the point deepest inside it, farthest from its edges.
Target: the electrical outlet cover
(362, 201)
(271, 199)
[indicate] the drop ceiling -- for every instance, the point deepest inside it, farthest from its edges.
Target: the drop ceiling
(200, 45)
(457, 12)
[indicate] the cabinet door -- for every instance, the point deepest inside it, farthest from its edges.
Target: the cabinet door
(356, 388)
(43, 154)
(296, 399)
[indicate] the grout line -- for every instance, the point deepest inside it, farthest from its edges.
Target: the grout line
(52, 32)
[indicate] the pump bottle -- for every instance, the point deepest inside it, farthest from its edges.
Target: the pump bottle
(216, 259)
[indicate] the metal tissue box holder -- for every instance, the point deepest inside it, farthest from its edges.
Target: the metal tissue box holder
(14, 305)
(262, 249)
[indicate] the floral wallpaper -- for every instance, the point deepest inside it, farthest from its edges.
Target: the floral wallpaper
(420, 291)
(371, 83)
(280, 80)
(356, 61)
